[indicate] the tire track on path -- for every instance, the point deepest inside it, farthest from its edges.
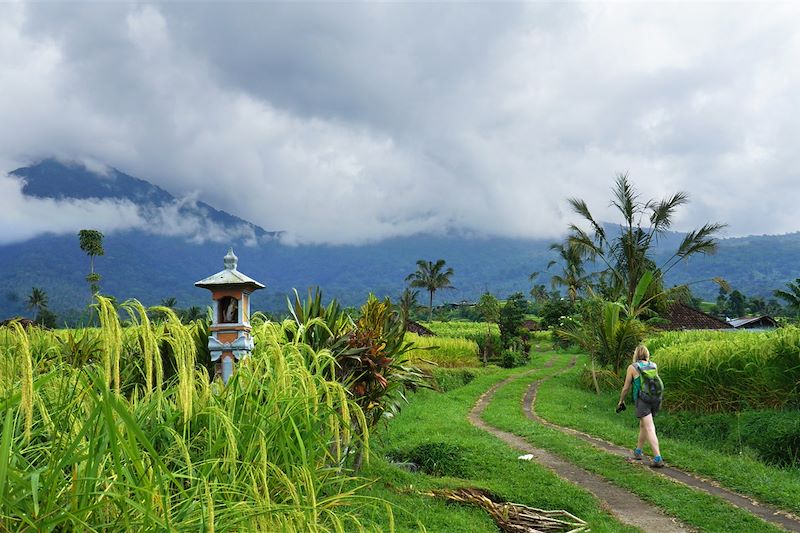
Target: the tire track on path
(764, 511)
(626, 506)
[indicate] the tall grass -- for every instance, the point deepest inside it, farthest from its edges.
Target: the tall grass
(444, 352)
(99, 446)
(730, 371)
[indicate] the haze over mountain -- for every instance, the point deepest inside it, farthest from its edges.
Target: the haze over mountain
(130, 203)
(167, 244)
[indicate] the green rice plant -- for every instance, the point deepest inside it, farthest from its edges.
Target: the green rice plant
(147, 338)
(111, 338)
(443, 351)
(670, 338)
(84, 449)
(732, 372)
(463, 330)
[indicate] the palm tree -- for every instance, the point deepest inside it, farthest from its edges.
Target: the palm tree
(791, 296)
(431, 277)
(91, 242)
(37, 300)
(573, 277)
(538, 290)
(192, 313)
(170, 302)
(628, 256)
(408, 303)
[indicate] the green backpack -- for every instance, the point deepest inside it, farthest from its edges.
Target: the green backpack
(652, 388)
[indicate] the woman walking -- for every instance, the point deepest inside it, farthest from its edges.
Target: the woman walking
(647, 402)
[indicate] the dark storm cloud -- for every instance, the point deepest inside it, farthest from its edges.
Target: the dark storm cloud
(348, 122)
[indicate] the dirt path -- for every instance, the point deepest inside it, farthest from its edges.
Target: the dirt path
(626, 506)
(766, 512)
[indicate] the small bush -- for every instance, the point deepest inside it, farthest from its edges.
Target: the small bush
(772, 436)
(512, 359)
(494, 345)
(447, 379)
(438, 459)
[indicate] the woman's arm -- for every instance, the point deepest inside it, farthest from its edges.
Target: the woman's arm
(627, 386)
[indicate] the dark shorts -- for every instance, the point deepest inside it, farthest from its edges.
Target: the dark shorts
(644, 408)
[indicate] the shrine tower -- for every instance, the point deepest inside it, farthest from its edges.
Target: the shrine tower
(230, 340)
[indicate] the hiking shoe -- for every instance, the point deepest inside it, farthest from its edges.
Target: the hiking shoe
(637, 454)
(658, 462)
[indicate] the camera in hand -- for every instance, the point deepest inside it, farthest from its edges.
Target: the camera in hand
(621, 407)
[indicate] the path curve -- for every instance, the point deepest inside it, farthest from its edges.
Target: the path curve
(626, 506)
(764, 511)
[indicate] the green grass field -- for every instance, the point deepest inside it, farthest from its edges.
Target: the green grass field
(565, 403)
(561, 402)
(434, 417)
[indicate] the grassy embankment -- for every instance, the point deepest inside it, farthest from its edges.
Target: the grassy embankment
(470, 458)
(563, 402)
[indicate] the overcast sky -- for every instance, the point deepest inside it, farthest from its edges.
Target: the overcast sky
(348, 122)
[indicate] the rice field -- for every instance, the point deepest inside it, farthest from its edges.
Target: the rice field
(729, 371)
(96, 436)
(443, 351)
(464, 330)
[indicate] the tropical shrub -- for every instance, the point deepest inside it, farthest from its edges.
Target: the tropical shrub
(490, 345)
(605, 332)
(554, 310)
(376, 368)
(513, 358)
(510, 319)
(438, 459)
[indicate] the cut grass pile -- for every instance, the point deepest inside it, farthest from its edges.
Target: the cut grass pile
(434, 417)
(561, 402)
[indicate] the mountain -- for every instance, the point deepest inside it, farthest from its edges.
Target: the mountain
(54, 179)
(151, 266)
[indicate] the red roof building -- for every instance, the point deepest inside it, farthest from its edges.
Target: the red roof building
(680, 317)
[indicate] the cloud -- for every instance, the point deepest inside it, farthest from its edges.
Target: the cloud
(354, 122)
(25, 217)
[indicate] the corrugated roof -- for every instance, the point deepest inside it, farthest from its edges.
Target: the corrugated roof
(748, 320)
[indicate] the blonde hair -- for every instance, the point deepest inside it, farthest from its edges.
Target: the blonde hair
(641, 353)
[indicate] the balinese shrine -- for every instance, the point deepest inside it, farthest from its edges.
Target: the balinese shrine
(230, 340)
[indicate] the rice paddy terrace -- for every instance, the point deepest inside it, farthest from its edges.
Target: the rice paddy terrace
(120, 428)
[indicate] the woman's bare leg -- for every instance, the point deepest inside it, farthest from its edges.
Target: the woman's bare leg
(646, 423)
(642, 435)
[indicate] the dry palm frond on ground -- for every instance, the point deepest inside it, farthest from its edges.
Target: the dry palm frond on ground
(514, 517)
